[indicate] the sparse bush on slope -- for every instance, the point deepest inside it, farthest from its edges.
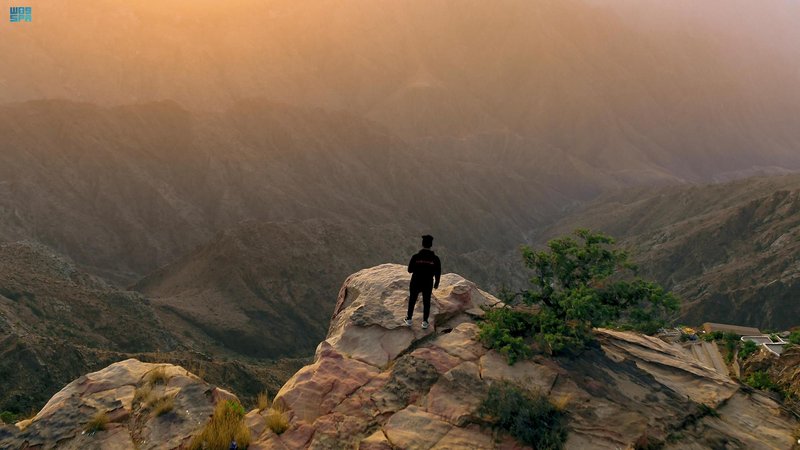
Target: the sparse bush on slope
(526, 415)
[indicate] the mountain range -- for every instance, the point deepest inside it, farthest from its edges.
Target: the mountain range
(195, 183)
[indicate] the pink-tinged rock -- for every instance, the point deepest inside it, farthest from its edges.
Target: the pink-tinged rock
(494, 366)
(458, 394)
(256, 423)
(361, 403)
(368, 319)
(219, 394)
(337, 430)
(317, 388)
(376, 441)
(439, 358)
(374, 345)
(462, 342)
(466, 438)
(296, 437)
(415, 429)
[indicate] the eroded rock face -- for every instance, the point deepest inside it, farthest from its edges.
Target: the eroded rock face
(376, 384)
(122, 392)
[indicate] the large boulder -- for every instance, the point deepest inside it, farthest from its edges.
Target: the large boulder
(122, 394)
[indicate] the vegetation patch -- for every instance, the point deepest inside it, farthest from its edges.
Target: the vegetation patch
(580, 282)
(761, 380)
(526, 415)
(707, 411)
(98, 423)
(276, 418)
(262, 401)
(144, 395)
(8, 417)
(508, 331)
(15, 295)
(225, 426)
(162, 405)
(747, 349)
(157, 376)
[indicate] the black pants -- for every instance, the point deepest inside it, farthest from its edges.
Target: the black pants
(426, 300)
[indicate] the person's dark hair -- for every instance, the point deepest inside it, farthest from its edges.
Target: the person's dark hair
(427, 241)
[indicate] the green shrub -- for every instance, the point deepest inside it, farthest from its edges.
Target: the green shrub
(505, 330)
(526, 415)
(731, 344)
(761, 380)
(8, 417)
(236, 407)
(578, 284)
(794, 338)
(747, 349)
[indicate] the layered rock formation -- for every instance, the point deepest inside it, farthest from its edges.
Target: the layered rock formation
(375, 384)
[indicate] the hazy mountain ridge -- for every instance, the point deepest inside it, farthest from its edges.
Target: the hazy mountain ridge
(689, 94)
(126, 190)
(730, 250)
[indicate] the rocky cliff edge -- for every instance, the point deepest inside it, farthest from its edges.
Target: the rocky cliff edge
(376, 384)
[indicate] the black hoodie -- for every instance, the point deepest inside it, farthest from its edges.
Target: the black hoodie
(424, 267)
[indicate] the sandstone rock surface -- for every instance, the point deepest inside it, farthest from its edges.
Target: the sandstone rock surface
(121, 392)
(375, 384)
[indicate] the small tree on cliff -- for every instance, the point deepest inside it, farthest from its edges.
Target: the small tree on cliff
(579, 282)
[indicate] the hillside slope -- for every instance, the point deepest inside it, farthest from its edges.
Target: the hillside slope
(126, 190)
(731, 251)
(58, 322)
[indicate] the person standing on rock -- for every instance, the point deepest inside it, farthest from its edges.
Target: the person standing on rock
(425, 269)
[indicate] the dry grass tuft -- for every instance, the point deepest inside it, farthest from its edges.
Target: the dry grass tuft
(276, 418)
(277, 421)
(226, 424)
(98, 423)
(262, 401)
(157, 376)
(144, 395)
(162, 405)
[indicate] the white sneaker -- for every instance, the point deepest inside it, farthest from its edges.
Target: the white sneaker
(424, 324)
(407, 322)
